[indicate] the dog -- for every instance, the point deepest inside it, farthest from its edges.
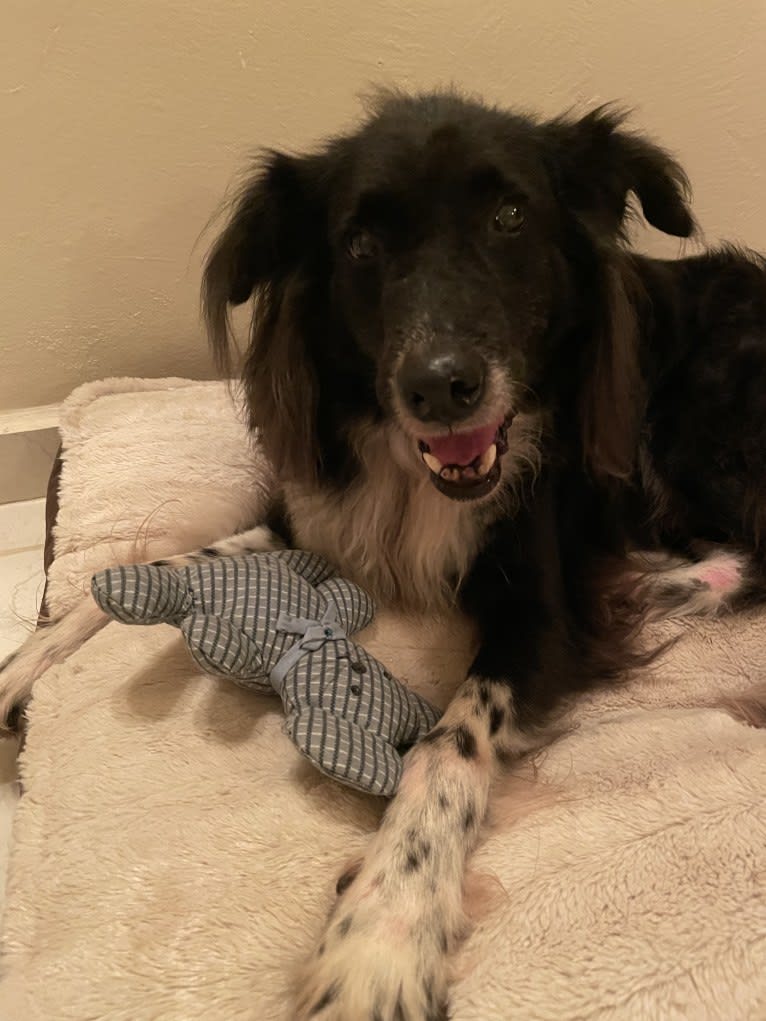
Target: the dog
(474, 392)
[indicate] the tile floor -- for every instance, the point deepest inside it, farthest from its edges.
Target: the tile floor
(22, 534)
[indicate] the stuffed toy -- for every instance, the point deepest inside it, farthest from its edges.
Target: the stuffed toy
(282, 622)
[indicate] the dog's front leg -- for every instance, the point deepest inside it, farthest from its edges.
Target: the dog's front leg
(383, 956)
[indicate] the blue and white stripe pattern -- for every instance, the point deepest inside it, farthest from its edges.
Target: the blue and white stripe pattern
(281, 621)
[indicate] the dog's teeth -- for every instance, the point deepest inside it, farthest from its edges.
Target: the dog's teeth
(488, 459)
(450, 474)
(433, 462)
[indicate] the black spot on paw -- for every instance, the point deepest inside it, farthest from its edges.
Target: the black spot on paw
(344, 926)
(347, 878)
(159, 563)
(328, 996)
(210, 551)
(484, 694)
(673, 592)
(496, 717)
(419, 852)
(412, 862)
(469, 818)
(465, 742)
(321, 950)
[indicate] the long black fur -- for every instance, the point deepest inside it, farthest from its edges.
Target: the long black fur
(649, 376)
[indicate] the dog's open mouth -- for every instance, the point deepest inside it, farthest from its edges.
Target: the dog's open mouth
(466, 465)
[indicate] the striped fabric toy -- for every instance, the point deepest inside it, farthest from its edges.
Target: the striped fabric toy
(282, 622)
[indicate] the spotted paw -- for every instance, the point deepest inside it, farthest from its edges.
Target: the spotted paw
(380, 959)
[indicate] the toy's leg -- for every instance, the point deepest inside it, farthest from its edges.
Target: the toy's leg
(343, 750)
(353, 607)
(141, 594)
(223, 650)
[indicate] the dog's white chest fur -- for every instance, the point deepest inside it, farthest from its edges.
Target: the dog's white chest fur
(391, 530)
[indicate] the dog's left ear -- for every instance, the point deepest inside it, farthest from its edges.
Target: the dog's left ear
(596, 166)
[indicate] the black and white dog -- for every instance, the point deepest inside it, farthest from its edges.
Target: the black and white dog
(472, 391)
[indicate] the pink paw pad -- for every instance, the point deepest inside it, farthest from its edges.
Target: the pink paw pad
(724, 577)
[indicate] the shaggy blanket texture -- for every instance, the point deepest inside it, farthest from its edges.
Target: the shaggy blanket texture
(174, 855)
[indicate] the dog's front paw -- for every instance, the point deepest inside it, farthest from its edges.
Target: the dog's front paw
(14, 694)
(378, 960)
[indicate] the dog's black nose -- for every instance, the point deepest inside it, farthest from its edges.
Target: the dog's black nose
(442, 387)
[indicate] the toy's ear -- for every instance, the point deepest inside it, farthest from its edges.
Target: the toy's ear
(596, 166)
(354, 607)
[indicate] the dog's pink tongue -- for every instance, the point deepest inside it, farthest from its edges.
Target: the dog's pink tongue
(462, 448)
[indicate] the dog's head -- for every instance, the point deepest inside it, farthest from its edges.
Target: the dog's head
(443, 268)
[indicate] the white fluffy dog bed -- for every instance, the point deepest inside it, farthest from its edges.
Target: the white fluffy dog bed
(173, 854)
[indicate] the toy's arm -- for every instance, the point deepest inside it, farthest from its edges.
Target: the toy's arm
(354, 608)
(143, 594)
(156, 594)
(311, 566)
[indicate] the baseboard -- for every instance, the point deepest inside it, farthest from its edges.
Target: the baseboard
(29, 439)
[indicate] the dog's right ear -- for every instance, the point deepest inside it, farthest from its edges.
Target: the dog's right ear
(269, 231)
(274, 248)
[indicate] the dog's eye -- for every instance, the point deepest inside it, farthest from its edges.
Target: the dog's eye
(361, 244)
(509, 218)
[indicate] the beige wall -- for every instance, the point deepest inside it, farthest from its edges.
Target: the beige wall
(122, 123)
